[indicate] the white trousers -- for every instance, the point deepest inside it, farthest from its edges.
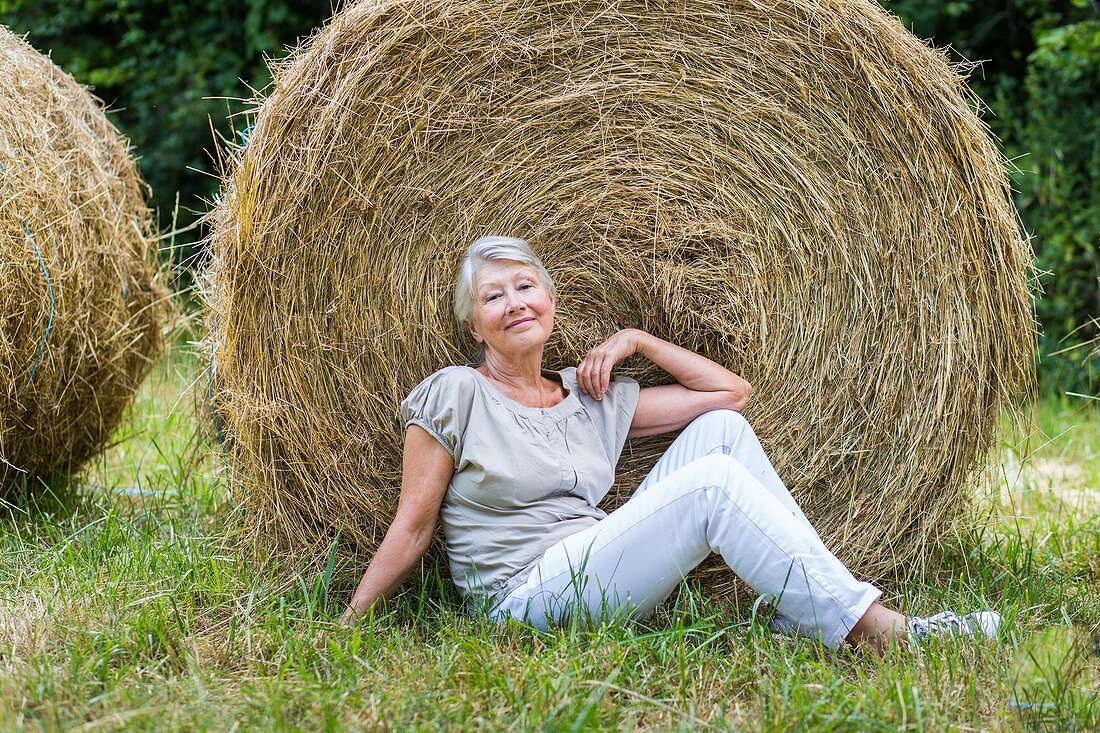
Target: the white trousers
(714, 490)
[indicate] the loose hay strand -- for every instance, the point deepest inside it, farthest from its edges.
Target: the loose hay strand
(800, 191)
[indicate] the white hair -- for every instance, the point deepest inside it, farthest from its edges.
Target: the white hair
(488, 249)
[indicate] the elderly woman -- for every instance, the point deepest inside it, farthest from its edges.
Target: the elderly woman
(515, 459)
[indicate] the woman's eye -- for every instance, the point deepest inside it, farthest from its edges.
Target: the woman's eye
(526, 286)
(491, 298)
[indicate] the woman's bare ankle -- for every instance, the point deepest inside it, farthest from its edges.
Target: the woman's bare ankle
(878, 627)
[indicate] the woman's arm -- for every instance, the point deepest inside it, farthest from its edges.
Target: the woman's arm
(426, 469)
(702, 385)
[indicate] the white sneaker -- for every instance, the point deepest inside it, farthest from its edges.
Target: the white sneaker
(949, 623)
(780, 624)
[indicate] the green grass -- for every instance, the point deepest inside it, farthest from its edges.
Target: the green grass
(123, 606)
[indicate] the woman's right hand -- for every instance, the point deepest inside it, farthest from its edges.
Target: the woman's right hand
(426, 470)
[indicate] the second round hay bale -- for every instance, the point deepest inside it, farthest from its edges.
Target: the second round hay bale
(80, 306)
(800, 191)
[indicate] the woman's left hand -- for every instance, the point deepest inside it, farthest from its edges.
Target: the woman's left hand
(594, 371)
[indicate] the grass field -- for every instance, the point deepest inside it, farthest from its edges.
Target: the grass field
(124, 607)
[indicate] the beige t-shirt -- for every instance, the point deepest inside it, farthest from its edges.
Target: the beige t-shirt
(525, 477)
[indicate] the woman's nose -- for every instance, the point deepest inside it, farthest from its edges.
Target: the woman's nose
(515, 302)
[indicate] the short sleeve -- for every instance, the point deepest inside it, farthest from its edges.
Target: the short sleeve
(621, 401)
(441, 405)
(613, 414)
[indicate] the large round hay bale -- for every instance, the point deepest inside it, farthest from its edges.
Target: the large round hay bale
(799, 190)
(80, 308)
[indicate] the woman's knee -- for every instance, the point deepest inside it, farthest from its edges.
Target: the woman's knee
(728, 423)
(717, 470)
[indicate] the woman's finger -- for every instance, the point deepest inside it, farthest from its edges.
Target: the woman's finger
(595, 363)
(584, 381)
(613, 360)
(594, 375)
(599, 375)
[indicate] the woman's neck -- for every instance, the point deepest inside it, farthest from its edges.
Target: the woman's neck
(521, 379)
(522, 372)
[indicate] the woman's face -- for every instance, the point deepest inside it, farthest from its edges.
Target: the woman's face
(512, 310)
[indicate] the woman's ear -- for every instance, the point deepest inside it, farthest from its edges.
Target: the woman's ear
(473, 332)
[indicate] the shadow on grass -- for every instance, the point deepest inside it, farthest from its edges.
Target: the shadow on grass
(29, 500)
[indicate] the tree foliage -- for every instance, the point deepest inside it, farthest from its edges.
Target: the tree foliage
(171, 72)
(1060, 199)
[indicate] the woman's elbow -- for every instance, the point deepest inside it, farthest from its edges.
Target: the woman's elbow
(739, 395)
(414, 536)
(420, 540)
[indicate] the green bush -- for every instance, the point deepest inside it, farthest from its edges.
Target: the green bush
(1060, 195)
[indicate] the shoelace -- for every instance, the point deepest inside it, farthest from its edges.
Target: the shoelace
(944, 621)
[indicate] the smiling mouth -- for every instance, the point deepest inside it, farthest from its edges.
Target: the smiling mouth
(519, 322)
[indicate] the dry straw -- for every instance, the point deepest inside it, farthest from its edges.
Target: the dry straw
(799, 190)
(80, 308)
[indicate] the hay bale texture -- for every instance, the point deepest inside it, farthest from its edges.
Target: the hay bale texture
(799, 190)
(80, 308)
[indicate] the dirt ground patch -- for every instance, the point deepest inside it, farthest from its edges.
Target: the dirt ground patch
(1066, 481)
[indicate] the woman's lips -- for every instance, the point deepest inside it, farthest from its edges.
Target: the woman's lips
(518, 323)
